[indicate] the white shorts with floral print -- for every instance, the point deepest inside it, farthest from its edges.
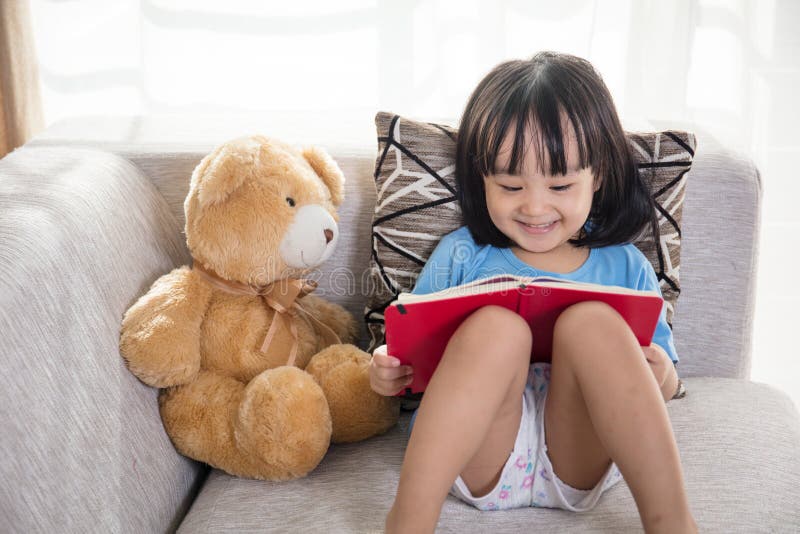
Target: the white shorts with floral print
(528, 478)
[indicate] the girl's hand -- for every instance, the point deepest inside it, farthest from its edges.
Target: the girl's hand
(386, 376)
(663, 370)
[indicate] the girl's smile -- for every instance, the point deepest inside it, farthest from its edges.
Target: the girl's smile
(538, 228)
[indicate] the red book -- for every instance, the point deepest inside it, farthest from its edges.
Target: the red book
(418, 327)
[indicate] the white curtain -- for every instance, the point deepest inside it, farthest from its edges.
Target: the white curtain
(728, 66)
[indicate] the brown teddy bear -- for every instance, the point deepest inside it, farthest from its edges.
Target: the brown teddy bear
(259, 375)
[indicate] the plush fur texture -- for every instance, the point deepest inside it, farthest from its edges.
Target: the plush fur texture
(254, 207)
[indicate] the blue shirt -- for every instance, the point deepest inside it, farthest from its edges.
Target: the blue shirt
(457, 259)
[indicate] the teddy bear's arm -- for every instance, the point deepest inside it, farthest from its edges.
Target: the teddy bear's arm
(160, 337)
(332, 315)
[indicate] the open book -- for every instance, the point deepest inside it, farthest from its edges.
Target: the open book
(418, 327)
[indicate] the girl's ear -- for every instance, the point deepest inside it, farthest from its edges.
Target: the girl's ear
(597, 183)
(327, 169)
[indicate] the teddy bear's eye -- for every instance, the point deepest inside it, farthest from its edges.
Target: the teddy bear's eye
(290, 201)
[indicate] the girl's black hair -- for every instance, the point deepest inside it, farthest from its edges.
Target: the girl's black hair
(538, 93)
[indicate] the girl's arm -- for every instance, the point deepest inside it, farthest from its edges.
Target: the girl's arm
(661, 354)
(646, 279)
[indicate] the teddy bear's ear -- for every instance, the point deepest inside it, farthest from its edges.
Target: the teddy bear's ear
(222, 172)
(327, 169)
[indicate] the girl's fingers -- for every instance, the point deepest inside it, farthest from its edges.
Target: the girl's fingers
(659, 370)
(384, 360)
(650, 354)
(391, 387)
(392, 373)
(388, 379)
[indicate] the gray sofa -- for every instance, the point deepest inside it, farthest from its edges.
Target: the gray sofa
(88, 222)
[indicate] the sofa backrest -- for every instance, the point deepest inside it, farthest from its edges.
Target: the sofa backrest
(713, 324)
(714, 314)
(713, 319)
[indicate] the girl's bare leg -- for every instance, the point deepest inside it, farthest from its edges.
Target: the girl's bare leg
(604, 403)
(468, 418)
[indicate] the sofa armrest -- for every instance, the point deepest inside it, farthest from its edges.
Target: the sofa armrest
(719, 256)
(82, 234)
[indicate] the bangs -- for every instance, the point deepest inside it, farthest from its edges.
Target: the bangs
(535, 108)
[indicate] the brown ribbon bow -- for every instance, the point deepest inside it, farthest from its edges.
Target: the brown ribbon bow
(281, 296)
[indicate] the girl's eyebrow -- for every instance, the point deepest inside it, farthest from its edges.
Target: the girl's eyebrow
(572, 170)
(504, 169)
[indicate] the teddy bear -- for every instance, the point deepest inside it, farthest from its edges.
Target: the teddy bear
(259, 375)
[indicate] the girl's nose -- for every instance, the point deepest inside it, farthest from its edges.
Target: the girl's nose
(533, 204)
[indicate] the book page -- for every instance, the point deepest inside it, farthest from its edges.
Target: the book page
(486, 285)
(586, 286)
(510, 282)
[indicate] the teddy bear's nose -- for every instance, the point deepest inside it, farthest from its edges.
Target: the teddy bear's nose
(328, 235)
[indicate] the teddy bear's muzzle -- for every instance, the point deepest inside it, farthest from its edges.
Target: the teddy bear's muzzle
(310, 238)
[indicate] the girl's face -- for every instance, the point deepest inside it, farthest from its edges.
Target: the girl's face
(540, 212)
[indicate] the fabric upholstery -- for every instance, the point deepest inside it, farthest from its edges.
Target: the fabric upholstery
(734, 482)
(416, 205)
(82, 235)
(719, 258)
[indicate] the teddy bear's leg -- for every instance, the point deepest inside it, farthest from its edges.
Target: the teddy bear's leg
(277, 427)
(356, 410)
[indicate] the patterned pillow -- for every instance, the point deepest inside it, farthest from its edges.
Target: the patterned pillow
(416, 206)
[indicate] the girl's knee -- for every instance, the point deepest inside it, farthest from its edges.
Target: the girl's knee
(587, 324)
(496, 321)
(506, 331)
(587, 318)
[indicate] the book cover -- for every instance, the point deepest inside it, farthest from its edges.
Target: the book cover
(418, 327)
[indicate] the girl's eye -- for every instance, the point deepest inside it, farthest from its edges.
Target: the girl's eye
(561, 187)
(507, 188)
(290, 201)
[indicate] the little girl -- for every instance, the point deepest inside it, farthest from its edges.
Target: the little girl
(547, 186)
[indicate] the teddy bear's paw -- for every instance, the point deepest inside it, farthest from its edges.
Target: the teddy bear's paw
(166, 370)
(284, 422)
(160, 333)
(356, 410)
(325, 360)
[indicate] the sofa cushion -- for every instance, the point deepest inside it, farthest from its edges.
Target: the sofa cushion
(416, 205)
(737, 440)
